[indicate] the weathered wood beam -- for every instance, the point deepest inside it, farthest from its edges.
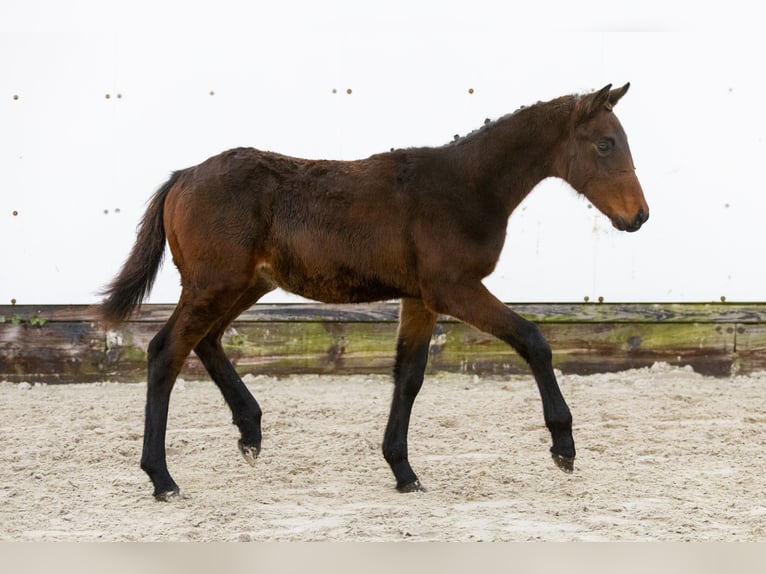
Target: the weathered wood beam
(66, 343)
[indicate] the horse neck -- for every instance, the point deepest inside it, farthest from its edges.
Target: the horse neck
(507, 158)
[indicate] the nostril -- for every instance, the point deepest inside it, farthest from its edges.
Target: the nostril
(641, 218)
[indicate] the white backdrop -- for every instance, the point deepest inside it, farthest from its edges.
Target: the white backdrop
(101, 100)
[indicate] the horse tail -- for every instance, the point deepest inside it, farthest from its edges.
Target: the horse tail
(135, 279)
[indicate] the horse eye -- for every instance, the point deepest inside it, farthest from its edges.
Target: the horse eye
(604, 146)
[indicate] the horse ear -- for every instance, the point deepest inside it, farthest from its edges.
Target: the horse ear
(616, 94)
(591, 103)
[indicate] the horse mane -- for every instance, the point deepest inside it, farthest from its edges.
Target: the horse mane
(533, 117)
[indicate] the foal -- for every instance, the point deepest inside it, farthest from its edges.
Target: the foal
(424, 225)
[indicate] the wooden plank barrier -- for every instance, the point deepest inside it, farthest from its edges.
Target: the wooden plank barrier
(66, 343)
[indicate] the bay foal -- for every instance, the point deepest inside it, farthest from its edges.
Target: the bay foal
(424, 225)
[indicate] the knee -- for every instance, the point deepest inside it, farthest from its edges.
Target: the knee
(533, 346)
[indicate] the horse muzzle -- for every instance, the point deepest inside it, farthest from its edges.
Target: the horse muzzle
(634, 224)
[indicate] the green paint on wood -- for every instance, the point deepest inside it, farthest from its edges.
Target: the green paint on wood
(70, 345)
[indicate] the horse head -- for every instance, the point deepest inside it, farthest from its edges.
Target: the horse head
(599, 164)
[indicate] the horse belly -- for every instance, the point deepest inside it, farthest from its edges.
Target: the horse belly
(336, 283)
(340, 288)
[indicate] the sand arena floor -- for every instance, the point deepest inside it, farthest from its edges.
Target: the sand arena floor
(663, 454)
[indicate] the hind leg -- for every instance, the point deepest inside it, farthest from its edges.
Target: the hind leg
(193, 317)
(246, 413)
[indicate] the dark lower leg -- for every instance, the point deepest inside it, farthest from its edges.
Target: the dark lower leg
(192, 319)
(162, 372)
(473, 304)
(406, 386)
(527, 340)
(246, 413)
(415, 329)
(558, 418)
(153, 460)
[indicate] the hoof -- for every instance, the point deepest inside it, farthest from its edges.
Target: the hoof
(249, 452)
(565, 463)
(411, 487)
(169, 495)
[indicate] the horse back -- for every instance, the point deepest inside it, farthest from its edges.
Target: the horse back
(334, 231)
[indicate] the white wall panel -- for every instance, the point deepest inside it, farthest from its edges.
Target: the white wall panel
(100, 101)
